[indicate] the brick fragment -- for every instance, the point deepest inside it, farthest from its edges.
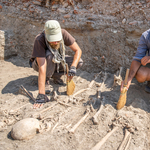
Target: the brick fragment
(133, 23)
(67, 16)
(0, 6)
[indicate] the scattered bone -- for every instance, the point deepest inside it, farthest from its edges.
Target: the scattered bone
(60, 116)
(79, 122)
(45, 127)
(127, 145)
(92, 82)
(55, 96)
(25, 129)
(91, 108)
(118, 78)
(79, 76)
(47, 3)
(98, 84)
(127, 133)
(80, 91)
(54, 127)
(3, 126)
(11, 112)
(36, 115)
(10, 121)
(98, 145)
(89, 86)
(95, 117)
(65, 104)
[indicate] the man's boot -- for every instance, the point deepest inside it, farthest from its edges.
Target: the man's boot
(147, 87)
(57, 80)
(47, 86)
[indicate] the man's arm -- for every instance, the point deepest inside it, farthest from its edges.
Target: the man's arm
(135, 65)
(42, 74)
(77, 54)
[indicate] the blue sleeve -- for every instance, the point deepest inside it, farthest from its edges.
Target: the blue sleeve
(141, 50)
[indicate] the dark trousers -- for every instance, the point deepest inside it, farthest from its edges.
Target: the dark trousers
(51, 70)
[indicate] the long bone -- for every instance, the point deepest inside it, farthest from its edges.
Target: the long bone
(127, 133)
(79, 122)
(95, 117)
(127, 145)
(55, 97)
(89, 86)
(99, 144)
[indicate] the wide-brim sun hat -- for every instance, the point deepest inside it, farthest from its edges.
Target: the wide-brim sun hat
(53, 31)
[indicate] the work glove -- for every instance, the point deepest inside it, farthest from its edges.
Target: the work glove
(42, 98)
(72, 71)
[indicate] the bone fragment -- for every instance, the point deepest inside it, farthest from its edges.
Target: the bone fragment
(117, 78)
(91, 107)
(127, 145)
(79, 122)
(89, 86)
(46, 109)
(127, 133)
(54, 127)
(92, 82)
(11, 111)
(82, 90)
(47, 3)
(79, 77)
(64, 104)
(98, 145)
(95, 117)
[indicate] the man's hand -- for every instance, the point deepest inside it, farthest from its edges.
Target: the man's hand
(145, 60)
(72, 71)
(122, 84)
(40, 100)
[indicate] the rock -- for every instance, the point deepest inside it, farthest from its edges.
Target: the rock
(124, 21)
(25, 129)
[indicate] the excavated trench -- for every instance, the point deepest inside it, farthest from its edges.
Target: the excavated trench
(108, 33)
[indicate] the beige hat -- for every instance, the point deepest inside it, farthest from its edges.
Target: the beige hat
(53, 31)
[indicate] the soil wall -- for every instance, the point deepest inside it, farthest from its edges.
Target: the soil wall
(107, 31)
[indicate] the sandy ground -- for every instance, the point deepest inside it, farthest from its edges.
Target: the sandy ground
(134, 116)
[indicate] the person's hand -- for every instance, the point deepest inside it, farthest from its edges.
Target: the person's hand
(72, 72)
(145, 60)
(122, 85)
(40, 100)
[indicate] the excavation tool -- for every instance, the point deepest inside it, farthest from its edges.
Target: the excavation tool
(70, 83)
(123, 94)
(28, 93)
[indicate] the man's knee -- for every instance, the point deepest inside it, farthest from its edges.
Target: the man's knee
(142, 74)
(80, 63)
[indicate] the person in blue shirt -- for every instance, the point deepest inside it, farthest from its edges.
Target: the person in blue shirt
(138, 68)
